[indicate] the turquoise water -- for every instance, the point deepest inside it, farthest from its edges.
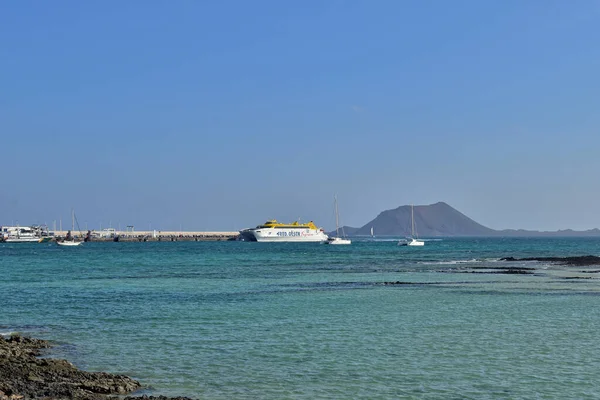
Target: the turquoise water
(242, 320)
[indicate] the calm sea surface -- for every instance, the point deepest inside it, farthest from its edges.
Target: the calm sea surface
(238, 320)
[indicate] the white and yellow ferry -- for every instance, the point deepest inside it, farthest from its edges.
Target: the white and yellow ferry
(273, 231)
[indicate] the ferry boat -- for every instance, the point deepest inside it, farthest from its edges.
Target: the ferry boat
(274, 231)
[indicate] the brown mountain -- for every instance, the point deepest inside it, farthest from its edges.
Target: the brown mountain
(437, 219)
(440, 219)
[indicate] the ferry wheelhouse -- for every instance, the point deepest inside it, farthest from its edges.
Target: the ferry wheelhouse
(274, 231)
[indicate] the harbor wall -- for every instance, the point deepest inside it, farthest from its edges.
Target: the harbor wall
(156, 236)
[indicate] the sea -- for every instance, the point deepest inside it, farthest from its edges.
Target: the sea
(372, 320)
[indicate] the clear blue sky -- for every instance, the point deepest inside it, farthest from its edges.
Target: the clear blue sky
(222, 114)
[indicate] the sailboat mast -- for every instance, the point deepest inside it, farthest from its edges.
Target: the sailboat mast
(412, 219)
(337, 218)
(72, 220)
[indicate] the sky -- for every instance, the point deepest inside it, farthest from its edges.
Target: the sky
(200, 115)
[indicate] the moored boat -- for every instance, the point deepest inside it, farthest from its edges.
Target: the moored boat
(337, 239)
(413, 240)
(23, 234)
(68, 243)
(70, 239)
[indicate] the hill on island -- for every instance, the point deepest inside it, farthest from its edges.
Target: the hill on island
(437, 219)
(440, 219)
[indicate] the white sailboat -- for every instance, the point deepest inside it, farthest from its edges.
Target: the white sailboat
(413, 240)
(71, 241)
(337, 239)
(372, 235)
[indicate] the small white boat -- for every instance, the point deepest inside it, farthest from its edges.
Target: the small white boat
(337, 239)
(70, 240)
(413, 240)
(68, 243)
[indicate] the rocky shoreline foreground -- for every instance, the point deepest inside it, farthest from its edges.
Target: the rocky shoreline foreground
(23, 375)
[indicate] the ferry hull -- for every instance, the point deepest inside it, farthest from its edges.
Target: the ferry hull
(288, 235)
(246, 235)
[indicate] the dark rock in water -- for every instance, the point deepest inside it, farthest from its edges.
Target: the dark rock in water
(487, 267)
(23, 374)
(145, 397)
(575, 261)
(500, 270)
(522, 271)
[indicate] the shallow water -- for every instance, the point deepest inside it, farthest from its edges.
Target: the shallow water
(229, 320)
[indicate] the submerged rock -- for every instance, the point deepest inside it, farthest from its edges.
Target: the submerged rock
(579, 261)
(145, 397)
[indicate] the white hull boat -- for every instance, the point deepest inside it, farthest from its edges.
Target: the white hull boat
(337, 239)
(412, 240)
(68, 243)
(22, 234)
(22, 240)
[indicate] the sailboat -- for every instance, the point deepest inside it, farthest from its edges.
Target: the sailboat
(70, 240)
(337, 239)
(413, 240)
(372, 235)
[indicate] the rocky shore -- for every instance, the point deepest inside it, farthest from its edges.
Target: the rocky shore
(23, 375)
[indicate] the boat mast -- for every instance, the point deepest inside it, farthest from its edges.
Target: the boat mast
(337, 222)
(72, 221)
(412, 219)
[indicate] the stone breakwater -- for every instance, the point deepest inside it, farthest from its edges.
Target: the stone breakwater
(168, 238)
(150, 236)
(23, 375)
